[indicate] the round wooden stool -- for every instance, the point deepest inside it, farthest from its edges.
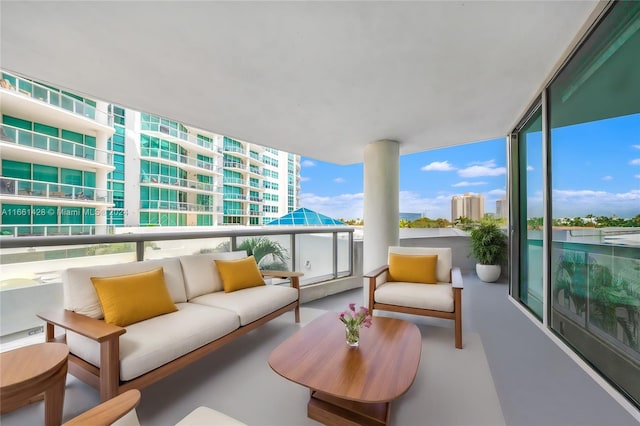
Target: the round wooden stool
(30, 371)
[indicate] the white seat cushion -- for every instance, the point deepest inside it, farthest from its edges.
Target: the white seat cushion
(437, 297)
(252, 303)
(154, 342)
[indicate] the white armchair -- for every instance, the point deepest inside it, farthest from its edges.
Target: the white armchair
(441, 299)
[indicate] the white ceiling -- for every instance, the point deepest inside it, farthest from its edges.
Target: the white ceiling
(321, 79)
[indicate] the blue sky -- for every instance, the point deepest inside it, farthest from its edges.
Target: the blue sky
(596, 169)
(428, 180)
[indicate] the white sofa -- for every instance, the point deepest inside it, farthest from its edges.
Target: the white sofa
(115, 359)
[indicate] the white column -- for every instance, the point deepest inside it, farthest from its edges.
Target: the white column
(381, 203)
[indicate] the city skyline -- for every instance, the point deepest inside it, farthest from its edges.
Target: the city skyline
(336, 191)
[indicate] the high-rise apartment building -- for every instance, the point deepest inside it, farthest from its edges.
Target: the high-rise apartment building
(72, 165)
(502, 208)
(468, 205)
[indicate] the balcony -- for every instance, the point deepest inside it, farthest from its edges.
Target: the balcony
(172, 158)
(178, 206)
(234, 181)
(72, 152)
(40, 192)
(183, 184)
(476, 385)
(162, 130)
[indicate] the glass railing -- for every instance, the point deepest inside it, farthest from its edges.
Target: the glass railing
(54, 97)
(234, 181)
(235, 212)
(236, 149)
(178, 158)
(51, 230)
(175, 205)
(179, 182)
(32, 267)
(234, 197)
(254, 169)
(178, 134)
(234, 164)
(52, 144)
(41, 189)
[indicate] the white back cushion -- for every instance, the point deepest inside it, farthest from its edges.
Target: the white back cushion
(201, 274)
(443, 267)
(80, 295)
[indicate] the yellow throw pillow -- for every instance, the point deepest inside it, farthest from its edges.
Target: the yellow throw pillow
(239, 274)
(127, 299)
(413, 268)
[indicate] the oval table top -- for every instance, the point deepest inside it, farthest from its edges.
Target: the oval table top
(30, 364)
(381, 369)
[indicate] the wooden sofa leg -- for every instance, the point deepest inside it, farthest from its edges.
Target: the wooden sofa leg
(297, 311)
(109, 368)
(457, 301)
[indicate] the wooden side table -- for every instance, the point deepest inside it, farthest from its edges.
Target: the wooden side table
(30, 371)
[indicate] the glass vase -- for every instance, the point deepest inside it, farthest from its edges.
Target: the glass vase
(353, 336)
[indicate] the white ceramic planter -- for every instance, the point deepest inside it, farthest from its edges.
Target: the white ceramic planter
(488, 273)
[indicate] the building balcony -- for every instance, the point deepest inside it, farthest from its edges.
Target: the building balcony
(183, 161)
(234, 181)
(30, 191)
(235, 150)
(176, 206)
(188, 140)
(25, 145)
(51, 106)
(234, 165)
(182, 184)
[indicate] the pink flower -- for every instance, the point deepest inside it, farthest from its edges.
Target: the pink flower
(353, 318)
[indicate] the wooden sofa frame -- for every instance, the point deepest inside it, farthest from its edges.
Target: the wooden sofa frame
(106, 378)
(455, 278)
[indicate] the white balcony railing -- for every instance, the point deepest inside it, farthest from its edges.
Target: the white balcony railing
(52, 190)
(53, 144)
(54, 97)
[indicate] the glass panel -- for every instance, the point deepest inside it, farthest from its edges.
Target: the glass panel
(531, 213)
(595, 123)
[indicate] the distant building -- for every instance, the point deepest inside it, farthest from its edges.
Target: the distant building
(468, 205)
(410, 216)
(502, 208)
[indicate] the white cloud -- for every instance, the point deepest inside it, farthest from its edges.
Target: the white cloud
(635, 146)
(304, 179)
(438, 166)
(582, 202)
(636, 176)
(499, 193)
(339, 180)
(465, 183)
(635, 162)
(530, 168)
(308, 163)
(438, 207)
(482, 170)
(488, 163)
(607, 177)
(345, 206)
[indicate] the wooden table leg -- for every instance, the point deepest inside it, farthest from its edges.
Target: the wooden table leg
(54, 398)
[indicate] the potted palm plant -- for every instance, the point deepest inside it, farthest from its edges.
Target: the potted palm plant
(489, 247)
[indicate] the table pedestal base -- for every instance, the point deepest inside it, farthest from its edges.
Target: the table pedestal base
(330, 410)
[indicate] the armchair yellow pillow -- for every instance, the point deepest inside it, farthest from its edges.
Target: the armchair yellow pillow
(413, 268)
(239, 274)
(127, 299)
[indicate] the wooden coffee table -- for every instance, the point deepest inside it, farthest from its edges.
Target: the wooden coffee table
(27, 372)
(351, 385)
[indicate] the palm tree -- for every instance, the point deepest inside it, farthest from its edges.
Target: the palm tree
(268, 254)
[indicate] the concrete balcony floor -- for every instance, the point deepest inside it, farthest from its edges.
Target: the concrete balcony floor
(536, 382)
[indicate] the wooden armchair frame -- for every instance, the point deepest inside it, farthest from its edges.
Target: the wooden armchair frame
(379, 274)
